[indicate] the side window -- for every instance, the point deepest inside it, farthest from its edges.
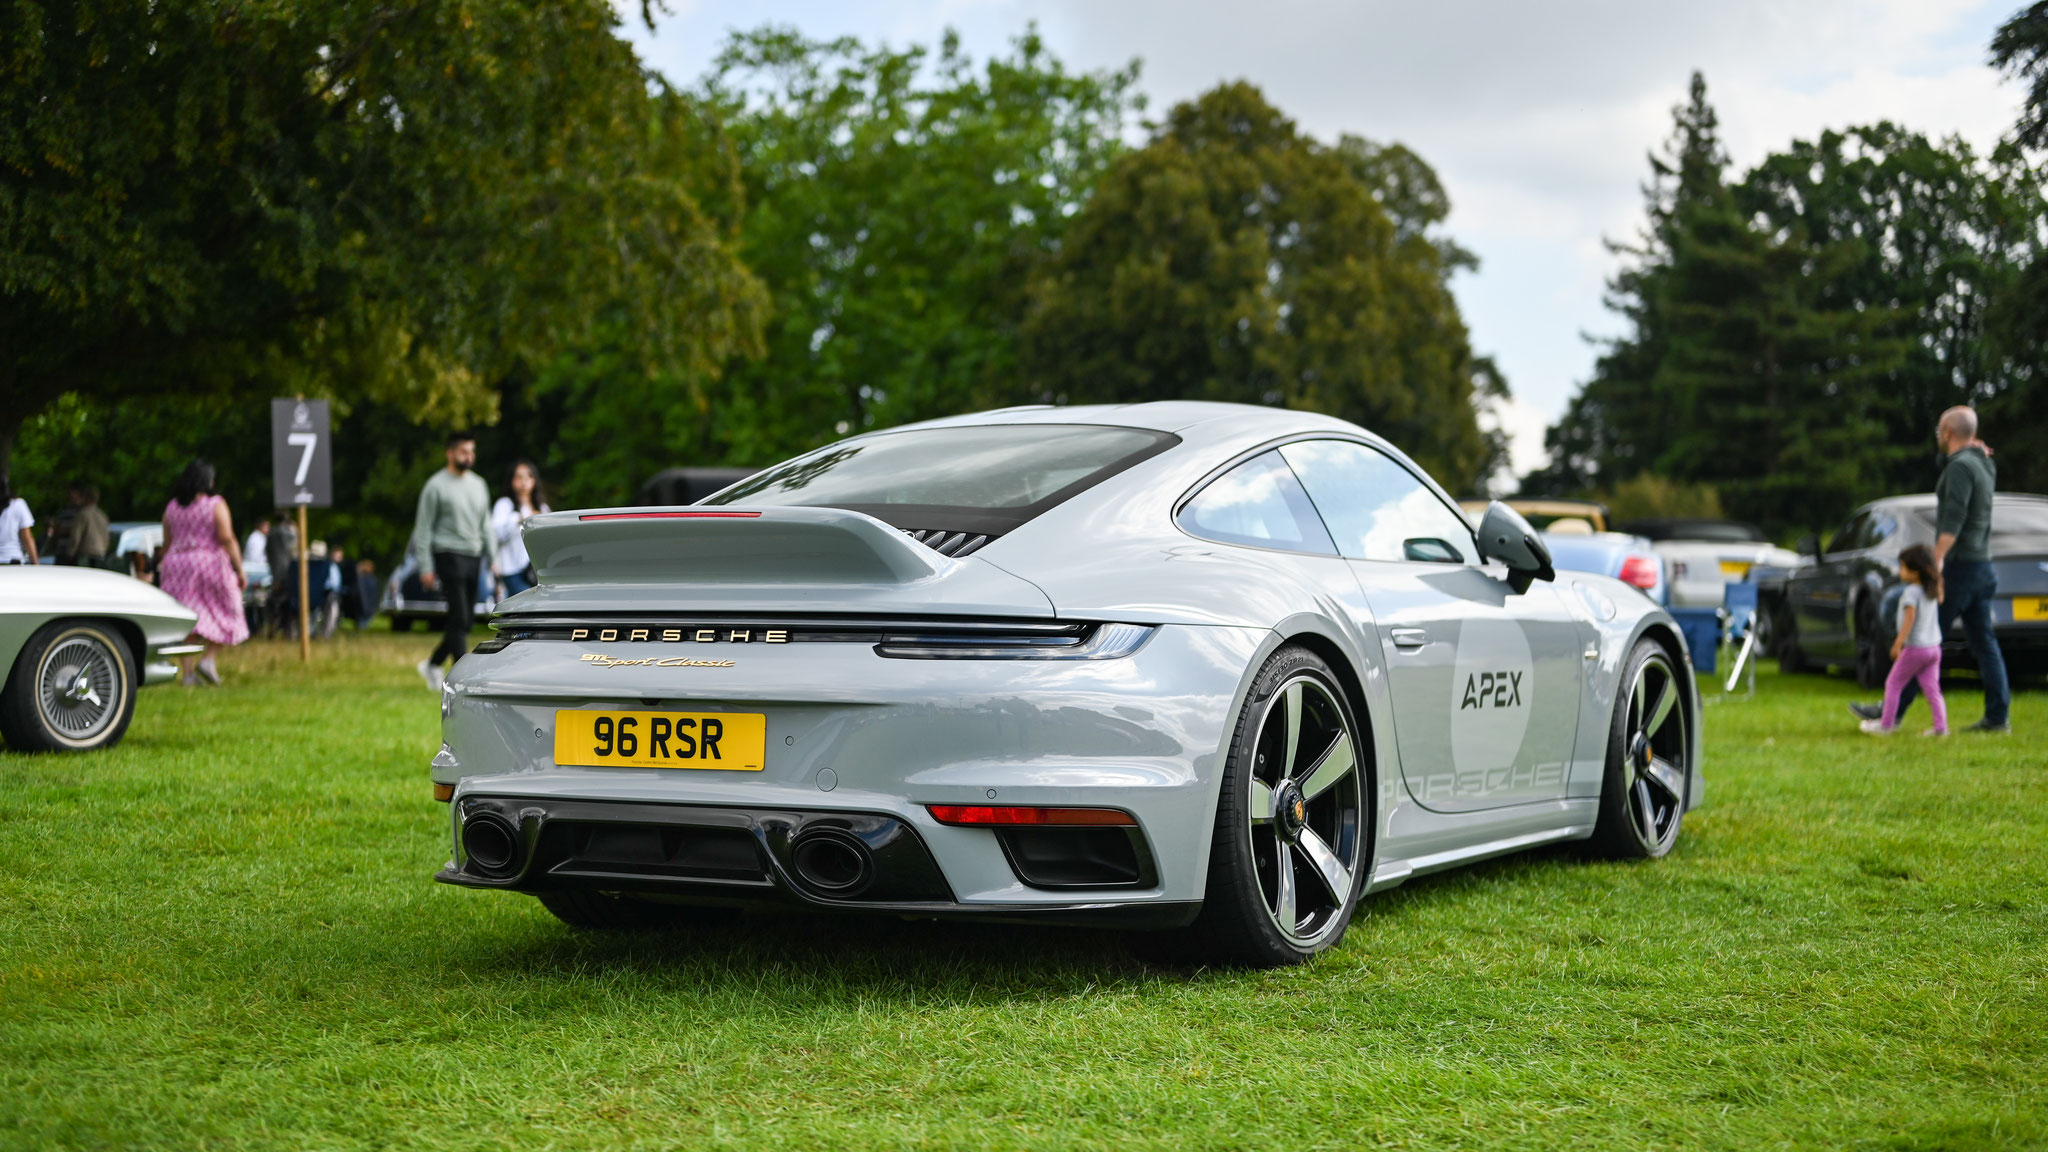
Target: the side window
(1259, 503)
(1851, 537)
(1375, 508)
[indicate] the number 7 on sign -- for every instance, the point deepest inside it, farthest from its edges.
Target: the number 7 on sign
(306, 440)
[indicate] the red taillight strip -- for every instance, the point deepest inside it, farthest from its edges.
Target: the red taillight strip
(1640, 571)
(990, 816)
(670, 516)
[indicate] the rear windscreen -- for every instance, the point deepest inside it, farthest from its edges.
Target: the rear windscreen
(2008, 517)
(986, 478)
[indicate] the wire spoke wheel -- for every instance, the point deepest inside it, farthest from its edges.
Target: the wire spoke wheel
(1306, 814)
(80, 687)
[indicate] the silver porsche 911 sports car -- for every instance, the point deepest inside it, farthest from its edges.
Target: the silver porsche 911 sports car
(1213, 670)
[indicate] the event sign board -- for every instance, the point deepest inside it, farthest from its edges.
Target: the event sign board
(301, 456)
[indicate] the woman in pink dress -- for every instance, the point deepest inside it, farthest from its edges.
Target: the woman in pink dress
(202, 566)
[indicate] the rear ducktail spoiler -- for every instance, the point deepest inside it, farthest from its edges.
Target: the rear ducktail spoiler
(725, 546)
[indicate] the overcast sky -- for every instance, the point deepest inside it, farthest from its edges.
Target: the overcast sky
(1537, 115)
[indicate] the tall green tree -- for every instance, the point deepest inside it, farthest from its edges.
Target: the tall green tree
(897, 201)
(1617, 424)
(2017, 321)
(1787, 336)
(396, 203)
(1234, 258)
(1932, 235)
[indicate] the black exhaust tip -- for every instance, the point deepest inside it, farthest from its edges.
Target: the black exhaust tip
(491, 844)
(832, 861)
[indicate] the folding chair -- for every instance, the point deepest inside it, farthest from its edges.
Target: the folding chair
(1702, 629)
(1740, 602)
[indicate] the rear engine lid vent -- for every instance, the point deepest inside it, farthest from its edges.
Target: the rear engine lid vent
(954, 544)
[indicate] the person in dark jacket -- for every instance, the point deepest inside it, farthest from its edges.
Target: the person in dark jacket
(1962, 546)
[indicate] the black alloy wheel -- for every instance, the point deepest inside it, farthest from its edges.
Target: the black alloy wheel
(1873, 662)
(72, 689)
(1291, 849)
(1649, 759)
(1791, 657)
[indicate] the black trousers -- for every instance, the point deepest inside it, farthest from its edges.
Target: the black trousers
(457, 575)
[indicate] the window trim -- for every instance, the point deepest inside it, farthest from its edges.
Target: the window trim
(1429, 485)
(1193, 494)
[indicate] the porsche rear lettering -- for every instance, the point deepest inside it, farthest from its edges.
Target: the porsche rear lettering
(1492, 690)
(682, 636)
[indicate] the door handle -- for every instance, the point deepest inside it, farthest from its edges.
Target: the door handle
(1409, 637)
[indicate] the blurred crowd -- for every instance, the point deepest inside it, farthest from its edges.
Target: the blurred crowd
(464, 556)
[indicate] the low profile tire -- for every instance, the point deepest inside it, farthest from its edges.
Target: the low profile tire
(1873, 664)
(1649, 760)
(1791, 657)
(615, 912)
(1293, 825)
(72, 689)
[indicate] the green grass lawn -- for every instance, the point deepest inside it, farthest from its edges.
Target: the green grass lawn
(223, 934)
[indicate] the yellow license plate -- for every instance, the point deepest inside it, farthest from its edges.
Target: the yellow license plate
(2030, 607)
(733, 741)
(1736, 570)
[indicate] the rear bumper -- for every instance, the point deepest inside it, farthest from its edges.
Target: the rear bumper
(727, 855)
(853, 735)
(2024, 646)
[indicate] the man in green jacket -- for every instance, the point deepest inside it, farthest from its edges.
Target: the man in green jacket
(1962, 546)
(451, 539)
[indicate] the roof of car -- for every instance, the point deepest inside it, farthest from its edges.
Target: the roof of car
(1679, 528)
(1156, 415)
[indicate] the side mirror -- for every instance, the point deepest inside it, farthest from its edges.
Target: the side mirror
(1809, 545)
(1506, 537)
(1430, 550)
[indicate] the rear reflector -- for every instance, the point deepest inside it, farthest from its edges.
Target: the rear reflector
(1640, 571)
(988, 816)
(670, 516)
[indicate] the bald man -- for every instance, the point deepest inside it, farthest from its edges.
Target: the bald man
(1962, 546)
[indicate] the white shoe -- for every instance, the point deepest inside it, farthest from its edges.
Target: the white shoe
(432, 674)
(1875, 728)
(1932, 732)
(208, 672)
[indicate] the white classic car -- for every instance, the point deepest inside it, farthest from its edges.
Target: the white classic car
(1706, 555)
(75, 644)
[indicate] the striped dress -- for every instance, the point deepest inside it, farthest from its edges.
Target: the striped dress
(198, 572)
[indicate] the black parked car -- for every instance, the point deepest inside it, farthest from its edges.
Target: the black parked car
(1839, 607)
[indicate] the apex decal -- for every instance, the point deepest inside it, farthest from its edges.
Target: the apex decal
(1492, 690)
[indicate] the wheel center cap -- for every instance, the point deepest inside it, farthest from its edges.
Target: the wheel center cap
(1290, 809)
(77, 685)
(1639, 750)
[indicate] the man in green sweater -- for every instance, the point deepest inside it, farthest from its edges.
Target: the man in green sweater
(1962, 546)
(451, 539)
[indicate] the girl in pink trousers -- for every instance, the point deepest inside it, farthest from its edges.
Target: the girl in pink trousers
(1916, 654)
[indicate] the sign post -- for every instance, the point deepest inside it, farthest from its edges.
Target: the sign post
(301, 477)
